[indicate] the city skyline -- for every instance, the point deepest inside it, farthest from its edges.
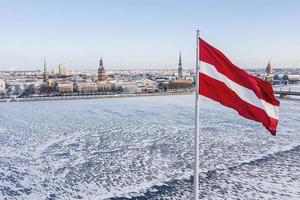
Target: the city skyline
(146, 34)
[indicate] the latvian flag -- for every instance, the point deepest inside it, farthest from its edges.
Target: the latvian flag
(222, 81)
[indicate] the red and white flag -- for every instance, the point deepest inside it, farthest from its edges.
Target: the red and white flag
(222, 81)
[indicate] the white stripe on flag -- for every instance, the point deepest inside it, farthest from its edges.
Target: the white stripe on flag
(244, 93)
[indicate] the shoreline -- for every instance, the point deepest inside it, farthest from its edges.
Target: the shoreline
(96, 96)
(101, 96)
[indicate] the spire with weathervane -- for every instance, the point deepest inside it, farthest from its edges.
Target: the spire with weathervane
(101, 71)
(269, 73)
(45, 73)
(180, 67)
(47, 86)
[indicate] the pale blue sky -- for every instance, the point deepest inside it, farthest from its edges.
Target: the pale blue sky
(146, 33)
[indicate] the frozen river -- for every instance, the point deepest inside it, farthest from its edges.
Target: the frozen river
(142, 148)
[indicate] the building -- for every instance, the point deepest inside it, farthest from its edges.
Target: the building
(65, 87)
(180, 84)
(63, 69)
(269, 69)
(291, 78)
(101, 71)
(87, 88)
(2, 87)
(131, 89)
(180, 67)
(269, 73)
(15, 86)
(104, 87)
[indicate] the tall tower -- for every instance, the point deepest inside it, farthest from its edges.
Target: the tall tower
(45, 74)
(47, 87)
(269, 69)
(101, 71)
(63, 69)
(180, 67)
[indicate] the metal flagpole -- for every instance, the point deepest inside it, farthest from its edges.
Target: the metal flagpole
(197, 146)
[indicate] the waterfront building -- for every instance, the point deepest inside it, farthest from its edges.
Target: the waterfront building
(131, 89)
(15, 86)
(87, 88)
(291, 78)
(179, 84)
(65, 87)
(101, 71)
(104, 87)
(180, 67)
(63, 69)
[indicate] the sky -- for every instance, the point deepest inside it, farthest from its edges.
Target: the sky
(146, 34)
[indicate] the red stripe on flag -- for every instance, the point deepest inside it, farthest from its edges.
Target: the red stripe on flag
(218, 91)
(213, 56)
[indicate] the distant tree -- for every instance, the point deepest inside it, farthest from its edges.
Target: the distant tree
(113, 88)
(163, 87)
(28, 90)
(17, 89)
(43, 88)
(10, 89)
(46, 88)
(55, 86)
(285, 77)
(276, 77)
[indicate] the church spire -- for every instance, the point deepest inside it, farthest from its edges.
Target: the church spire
(45, 66)
(45, 74)
(269, 69)
(180, 67)
(101, 63)
(101, 71)
(180, 64)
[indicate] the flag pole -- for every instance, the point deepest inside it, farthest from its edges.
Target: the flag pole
(197, 145)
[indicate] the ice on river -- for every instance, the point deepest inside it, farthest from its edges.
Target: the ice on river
(142, 148)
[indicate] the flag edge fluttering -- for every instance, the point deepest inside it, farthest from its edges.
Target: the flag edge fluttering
(255, 97)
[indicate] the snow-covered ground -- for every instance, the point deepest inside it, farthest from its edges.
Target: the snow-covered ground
(142, 148)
